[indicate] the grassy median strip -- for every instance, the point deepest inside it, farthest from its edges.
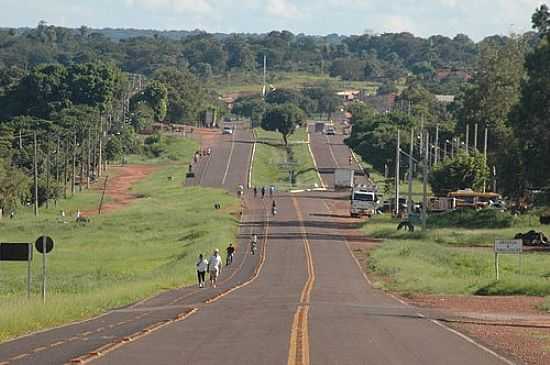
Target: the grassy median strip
(119, 257)
(454, 261)
(271, 154)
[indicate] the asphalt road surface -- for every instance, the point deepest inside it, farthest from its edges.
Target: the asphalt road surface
(304, 301)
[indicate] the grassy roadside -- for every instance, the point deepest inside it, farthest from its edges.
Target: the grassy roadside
(271, 153)
(447, 261)
(252, 82)
(120, 257)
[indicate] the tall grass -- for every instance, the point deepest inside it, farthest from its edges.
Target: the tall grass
(119, 257)
(447, 261)
(271, 155)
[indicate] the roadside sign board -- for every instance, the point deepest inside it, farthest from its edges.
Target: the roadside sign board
(508, 246)
(15, 252)
(44, 242)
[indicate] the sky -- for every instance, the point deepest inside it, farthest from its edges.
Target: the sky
(476, 18)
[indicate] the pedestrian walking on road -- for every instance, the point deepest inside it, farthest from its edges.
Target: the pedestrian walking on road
(214, 267)
(202, 267)
(271, 191)
(230, 254)
(263, 192)
(255, 191)
(253, 244)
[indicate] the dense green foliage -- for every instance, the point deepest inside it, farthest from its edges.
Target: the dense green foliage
(283, 118)
(465, 171)
(470, 218)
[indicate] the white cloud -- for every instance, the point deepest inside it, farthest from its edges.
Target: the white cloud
(282, 8)
(178, 6)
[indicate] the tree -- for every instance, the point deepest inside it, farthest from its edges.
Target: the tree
(348, 69)
(283, 118)
(251, 107)
(531, 123)
(488, 100)
(465, 171)
(14, 186)
(155, 95)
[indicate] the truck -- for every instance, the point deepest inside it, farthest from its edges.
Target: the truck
(441, 204)
(364, 201)
(343, 178)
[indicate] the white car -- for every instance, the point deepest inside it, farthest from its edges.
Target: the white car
(330, 131)
(227, 130)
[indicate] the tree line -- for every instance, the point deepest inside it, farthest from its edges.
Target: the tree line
(508, 95)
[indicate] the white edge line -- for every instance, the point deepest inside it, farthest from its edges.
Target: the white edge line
(420, 315)
(230, 155)
(313, 159)
(252, 160)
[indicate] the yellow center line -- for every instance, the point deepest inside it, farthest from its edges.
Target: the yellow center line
(298, 353)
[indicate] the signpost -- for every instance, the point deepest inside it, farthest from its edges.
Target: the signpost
(44, 245)
(18, 252)
(504, 247)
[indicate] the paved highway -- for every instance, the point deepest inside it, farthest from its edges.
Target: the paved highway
(305, 301)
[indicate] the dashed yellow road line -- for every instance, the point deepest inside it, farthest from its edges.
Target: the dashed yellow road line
(298, 353)
(39, 349)
(19, 357)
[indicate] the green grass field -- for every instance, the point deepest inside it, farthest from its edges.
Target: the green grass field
(251, 83)
(119, 257)
(455, 261)
(271, 153)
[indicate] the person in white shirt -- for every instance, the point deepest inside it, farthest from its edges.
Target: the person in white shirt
(214, 267)
(202, 267)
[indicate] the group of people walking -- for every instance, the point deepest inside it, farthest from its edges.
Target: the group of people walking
(263, 191)
(213, 265)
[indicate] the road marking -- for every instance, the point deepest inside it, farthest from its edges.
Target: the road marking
(230, 155)
(323, 185)
(39, 349)
(19, 357)
(298, 353)
(252, 160)
(332, 152)
(420, 315)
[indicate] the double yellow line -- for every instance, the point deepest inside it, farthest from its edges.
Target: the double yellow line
(298, 353)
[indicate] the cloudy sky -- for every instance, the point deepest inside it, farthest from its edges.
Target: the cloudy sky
(477, 18)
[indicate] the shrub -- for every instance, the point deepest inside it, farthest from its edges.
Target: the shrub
(469, 218)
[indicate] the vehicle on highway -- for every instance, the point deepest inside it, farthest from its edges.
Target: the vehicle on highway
(343, 178)
(364, 201)
(227, 130)
(330, 131)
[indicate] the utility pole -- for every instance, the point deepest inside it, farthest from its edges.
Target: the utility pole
(425, 185)
(397, 158)
(66, 153)
(20, 140)
(35, 168)
(100, 159)
(485, 158)
(437, 144)
(410, 173)
(494, 179)
(475, 136)
(47, 171)
(73, 177)
(467, 147)
(56, 171)
(452, 148)
(88, 158)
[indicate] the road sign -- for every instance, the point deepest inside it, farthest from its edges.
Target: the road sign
(18, 252)
(508, 246)
(44, 245)
(15, 252)
(40, 244)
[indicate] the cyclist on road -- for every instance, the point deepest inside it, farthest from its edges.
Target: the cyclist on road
(230, 253)
(274, 208)
(263, 192)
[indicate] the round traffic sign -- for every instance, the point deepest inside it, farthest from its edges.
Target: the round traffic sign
(39, 244)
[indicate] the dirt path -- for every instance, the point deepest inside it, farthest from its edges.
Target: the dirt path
(118, 187)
